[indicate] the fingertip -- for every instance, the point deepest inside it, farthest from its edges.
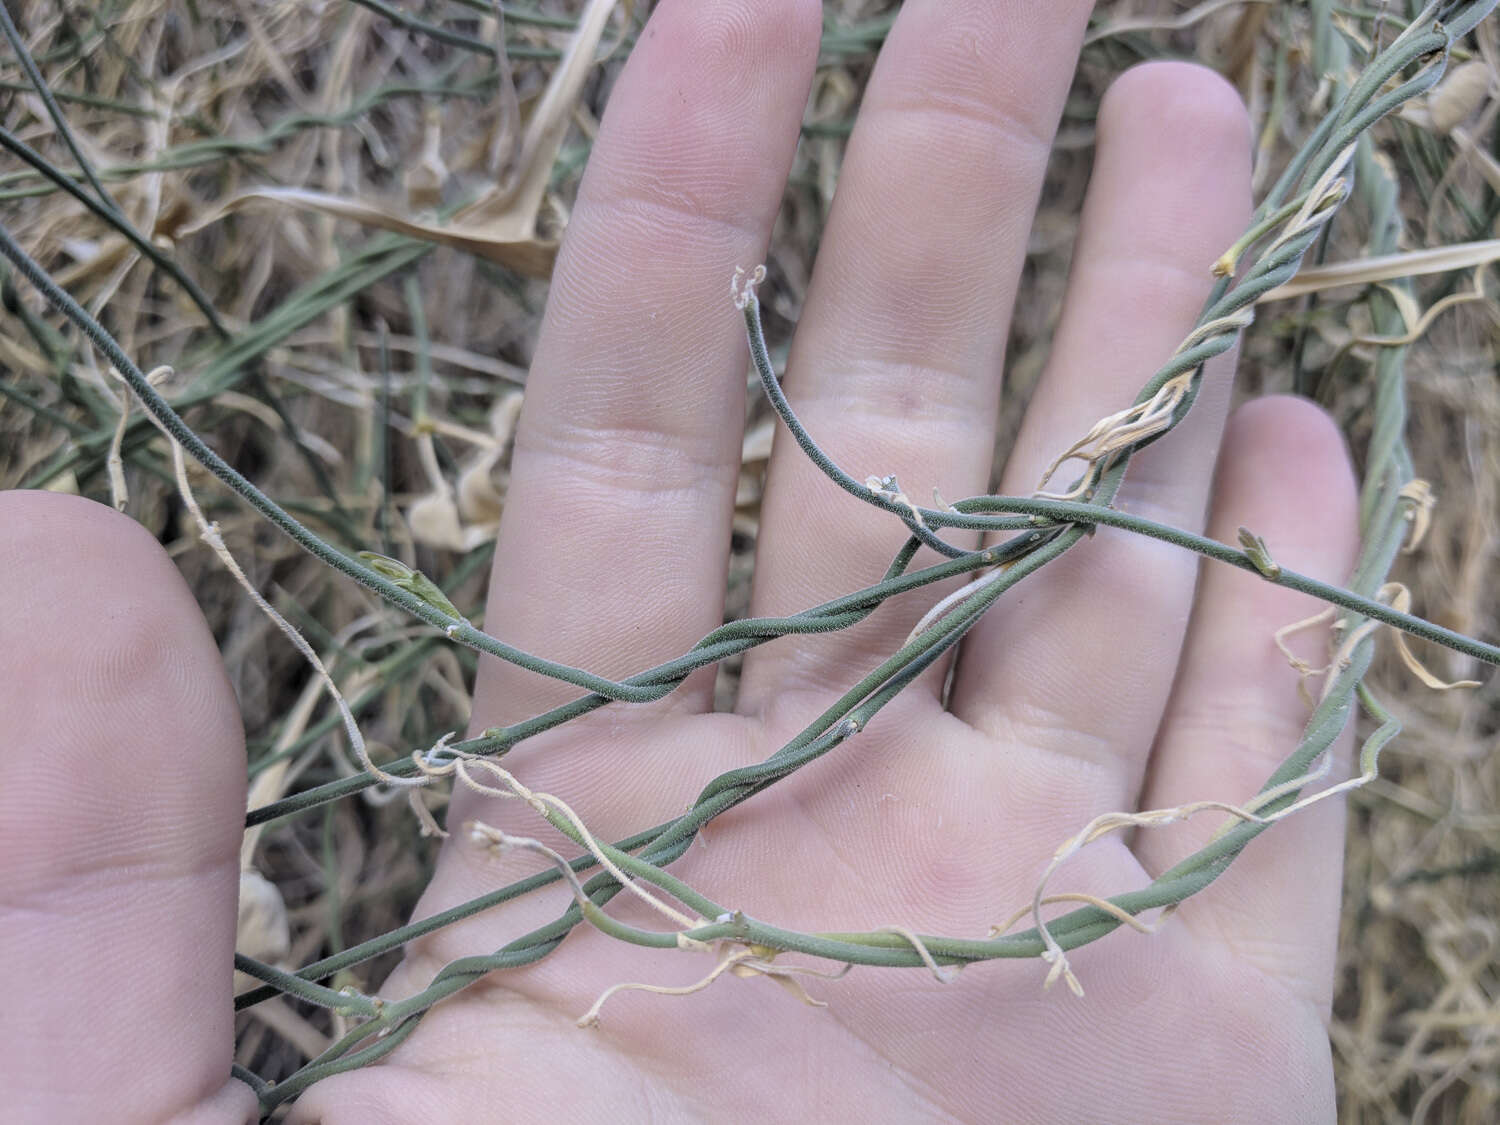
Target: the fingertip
(1183, 104)
(120, 820)
(99, 627)
(1236, 711)
(783, 20)
(702, 64)
(701, 125)
(726, 37)
(1169, 192)
(635, 400)
(1285, 468)
(1285, 476)
(34, 523)
(1182, 132)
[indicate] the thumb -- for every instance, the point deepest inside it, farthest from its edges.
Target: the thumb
(122, 787)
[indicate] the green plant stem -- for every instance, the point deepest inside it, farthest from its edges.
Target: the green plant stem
(105, 209)
(193, 154)
(436, 32)
(59, 122)
(224, 368)
(93, 101)
(818, 619)
(1045, 529)
(350, 1003)
(1077, 928)
(158, 407)
(1074, 929)
(665, 842)
(727, 640)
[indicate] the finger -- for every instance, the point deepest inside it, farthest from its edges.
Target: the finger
(1076, 664)
(613, 550)
(120, 822)
(1235, 712)
(896, 364)
(627, 451)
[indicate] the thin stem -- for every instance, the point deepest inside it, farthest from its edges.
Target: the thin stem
(436, 32)
(351, 1003)
(456, 629)
(105, 209)
(59, 122)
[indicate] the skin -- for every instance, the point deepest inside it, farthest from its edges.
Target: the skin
(1117, 678)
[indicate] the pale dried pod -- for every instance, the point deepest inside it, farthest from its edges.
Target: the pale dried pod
(424, 179)
(433, 520)
(1460, 95)
(756, 448)
(262, 930)
(504, 415)
(481, 497)
(480, 500)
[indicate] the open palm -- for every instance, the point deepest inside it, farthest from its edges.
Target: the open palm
(1106, 682)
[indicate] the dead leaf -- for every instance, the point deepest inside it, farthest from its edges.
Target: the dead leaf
(1398, 597)
(433, 520)
(1387, 267)
(262, 930)
(424, 180)
(1459, 95)
(1486, 164)
(500, 226)
(529, 256)
(757, 444)
(479, 501)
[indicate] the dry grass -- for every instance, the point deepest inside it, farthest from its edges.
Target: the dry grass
(393, 409)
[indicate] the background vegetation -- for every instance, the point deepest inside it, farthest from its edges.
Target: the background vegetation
(369, 380)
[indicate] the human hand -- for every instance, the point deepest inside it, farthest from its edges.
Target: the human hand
(1099, 684)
